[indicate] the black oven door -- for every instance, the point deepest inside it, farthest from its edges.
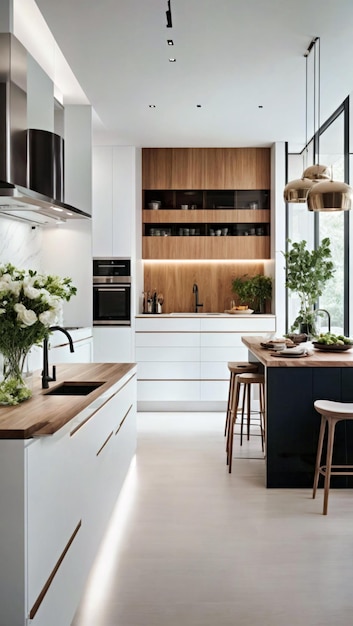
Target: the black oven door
(111, 305)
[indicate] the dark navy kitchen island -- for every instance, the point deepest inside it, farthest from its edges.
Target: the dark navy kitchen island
(292, 424)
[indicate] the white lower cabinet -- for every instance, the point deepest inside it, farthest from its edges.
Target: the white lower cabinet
(183, 362)
(112, 345)
(58, 493)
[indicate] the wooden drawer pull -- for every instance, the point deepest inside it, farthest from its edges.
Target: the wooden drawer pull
(124, 418)
(105, 443)
(44, 591)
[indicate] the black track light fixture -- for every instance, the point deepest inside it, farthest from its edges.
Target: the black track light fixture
(169, 16)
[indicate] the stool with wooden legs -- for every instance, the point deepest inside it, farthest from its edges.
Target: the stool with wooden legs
(237, 367)
(331, 413)
(244, 382)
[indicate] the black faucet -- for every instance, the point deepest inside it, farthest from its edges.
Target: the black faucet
(45, 373)
(195, 290)
(328, 317)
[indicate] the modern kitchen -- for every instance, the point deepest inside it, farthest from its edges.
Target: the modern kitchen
(132, 246)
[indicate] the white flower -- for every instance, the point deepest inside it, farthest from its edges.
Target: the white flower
(26, 316)
(47, 318)
(29, 290)
(12, 286)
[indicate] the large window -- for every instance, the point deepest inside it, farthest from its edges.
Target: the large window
(331, 148)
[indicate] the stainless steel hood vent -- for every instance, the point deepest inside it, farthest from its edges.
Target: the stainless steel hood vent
(25, 204)
(17, 170)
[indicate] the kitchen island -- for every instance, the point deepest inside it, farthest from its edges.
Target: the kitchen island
(63, 461)
(292, 424)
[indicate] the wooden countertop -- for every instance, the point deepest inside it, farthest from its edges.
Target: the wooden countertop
(319, 358)
(44, 415)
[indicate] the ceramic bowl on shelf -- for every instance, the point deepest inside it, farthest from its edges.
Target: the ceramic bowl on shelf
(156, 204)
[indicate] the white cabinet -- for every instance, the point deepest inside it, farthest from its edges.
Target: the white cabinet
(116, 187)
(182, 361)
(113, 344)
(57, 495)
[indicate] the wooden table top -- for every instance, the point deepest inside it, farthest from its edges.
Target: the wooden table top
(44, 415)
(318, 358)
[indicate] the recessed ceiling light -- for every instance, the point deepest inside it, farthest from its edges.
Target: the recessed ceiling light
(68, 213)
(57, 209)
(152, 106)
(170, 42)
(172, 60)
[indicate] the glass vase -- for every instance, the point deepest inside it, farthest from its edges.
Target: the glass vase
(16, 385)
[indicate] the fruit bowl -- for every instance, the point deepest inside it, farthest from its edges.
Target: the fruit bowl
(334, 347)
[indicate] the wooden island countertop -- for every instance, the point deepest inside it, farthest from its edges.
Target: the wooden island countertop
(318, 358)
(45, 414)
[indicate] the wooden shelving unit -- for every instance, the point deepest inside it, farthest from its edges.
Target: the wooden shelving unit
(228, 198)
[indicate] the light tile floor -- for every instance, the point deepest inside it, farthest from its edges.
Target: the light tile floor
(195, 546)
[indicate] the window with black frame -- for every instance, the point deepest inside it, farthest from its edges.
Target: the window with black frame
(314, 227)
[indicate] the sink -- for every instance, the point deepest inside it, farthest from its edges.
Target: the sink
(73, 389)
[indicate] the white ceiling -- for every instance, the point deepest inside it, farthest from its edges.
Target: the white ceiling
(231, 57)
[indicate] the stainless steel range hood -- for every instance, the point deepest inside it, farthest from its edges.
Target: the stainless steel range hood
(24, 204)
(17, 199)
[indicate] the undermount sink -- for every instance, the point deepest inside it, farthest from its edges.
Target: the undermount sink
(73, 389)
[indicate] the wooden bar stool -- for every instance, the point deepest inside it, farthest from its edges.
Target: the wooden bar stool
(238, 367)
(244, 382)
(331, 413)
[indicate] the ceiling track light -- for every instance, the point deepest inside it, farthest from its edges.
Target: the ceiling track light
(169, 16)
(170, 42)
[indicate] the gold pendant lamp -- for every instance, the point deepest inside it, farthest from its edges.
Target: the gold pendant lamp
(330, 195)
(325, 194)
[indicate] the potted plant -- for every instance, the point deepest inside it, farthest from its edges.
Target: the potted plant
(253, 290)
(307, 273)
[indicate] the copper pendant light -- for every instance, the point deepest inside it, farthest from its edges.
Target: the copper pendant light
(330, 195)
(296, 191)
(326, 194)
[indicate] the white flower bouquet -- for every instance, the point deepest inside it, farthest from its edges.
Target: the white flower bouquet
(30, 302)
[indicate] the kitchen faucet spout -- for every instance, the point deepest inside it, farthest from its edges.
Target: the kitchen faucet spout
(328, 317)
(46, 378)
(195, 290)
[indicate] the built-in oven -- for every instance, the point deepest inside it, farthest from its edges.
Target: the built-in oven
(111, 292)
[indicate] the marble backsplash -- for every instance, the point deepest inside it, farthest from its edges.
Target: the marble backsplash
(20, 244)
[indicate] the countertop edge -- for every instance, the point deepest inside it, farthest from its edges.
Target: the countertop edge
(25, 421)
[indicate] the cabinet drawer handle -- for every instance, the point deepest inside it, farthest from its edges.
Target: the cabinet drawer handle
(45, 589)
(124, 418)
(105, 443)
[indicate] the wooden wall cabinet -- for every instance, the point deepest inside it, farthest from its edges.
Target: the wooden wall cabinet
(206, 168)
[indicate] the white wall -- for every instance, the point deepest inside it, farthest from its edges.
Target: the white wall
(78, 156)
(40, 97)
(67, 251)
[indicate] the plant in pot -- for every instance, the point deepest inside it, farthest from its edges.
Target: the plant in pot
(307, 273)
(253, 290)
